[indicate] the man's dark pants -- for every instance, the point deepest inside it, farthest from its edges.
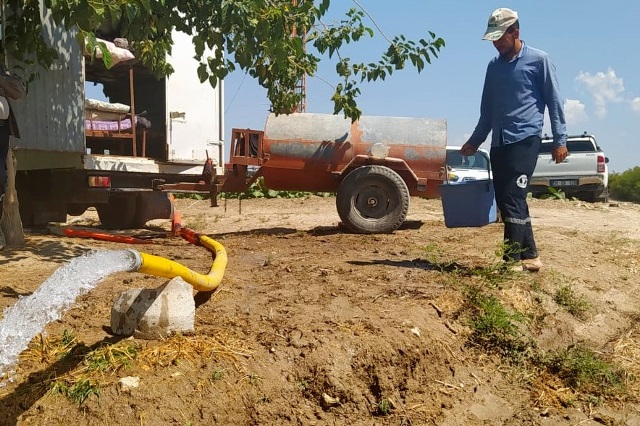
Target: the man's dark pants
(512, 165)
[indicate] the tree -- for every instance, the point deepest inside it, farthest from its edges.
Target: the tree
(278, 42)
(275, 41)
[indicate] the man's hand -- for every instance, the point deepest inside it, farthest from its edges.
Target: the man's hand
(559, 154)
(468, 149)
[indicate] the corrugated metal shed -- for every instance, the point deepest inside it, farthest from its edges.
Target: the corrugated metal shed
(50, 117)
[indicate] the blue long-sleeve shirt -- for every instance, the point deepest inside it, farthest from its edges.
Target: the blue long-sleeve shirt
(514, 97)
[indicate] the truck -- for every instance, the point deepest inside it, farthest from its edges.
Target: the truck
(112, 153)
(583, 174)
(374, 165)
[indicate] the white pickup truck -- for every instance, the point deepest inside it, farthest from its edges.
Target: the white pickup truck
(583, 174)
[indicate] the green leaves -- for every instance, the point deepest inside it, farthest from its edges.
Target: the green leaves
(329, 40)
(278, 42)
(92, 46)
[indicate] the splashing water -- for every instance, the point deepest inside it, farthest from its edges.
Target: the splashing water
(28, 317)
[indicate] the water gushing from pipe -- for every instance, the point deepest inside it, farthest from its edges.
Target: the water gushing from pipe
(28, 317)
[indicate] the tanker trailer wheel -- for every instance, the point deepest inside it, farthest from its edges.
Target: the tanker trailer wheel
(372, 200)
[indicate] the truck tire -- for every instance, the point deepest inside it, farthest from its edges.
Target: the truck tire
(372, 200)
(119, 212)
(604, 196)
(595, 196)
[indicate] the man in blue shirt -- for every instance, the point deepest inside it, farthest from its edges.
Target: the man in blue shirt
(520, 82)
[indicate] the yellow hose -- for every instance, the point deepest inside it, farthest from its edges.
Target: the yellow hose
(161, 267)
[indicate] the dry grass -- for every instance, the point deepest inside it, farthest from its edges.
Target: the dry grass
(98, 368)
(449, 301)
(626, 353)
(193, 349)
(549, 391)
(47, 350)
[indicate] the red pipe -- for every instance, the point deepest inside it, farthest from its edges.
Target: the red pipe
(78, 233)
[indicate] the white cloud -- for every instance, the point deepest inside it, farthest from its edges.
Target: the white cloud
(575, 112)
(635, 104)
(604, 87)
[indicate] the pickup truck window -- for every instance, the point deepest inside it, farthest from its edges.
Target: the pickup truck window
(475, 161)
(572, 146)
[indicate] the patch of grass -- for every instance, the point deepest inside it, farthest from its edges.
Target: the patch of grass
(111, 357)
(494, 327)
(198, 222)
(576, 305)
(68, 338)
(302, 385)
(495, 273)
(259, 190)
(385, 407)
(500, 270)
(554, 194)
(434, 255)
(92, 372)
(217, 374)
(190, 196)
(253, 379)
(508, 250)
(50, 349)
(581, 369)
(77, 392)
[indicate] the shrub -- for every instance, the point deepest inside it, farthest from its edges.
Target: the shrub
(259, 190)
(625, 186)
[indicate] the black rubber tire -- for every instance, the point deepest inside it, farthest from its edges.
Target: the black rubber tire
(119, 212)
(372, 200)
(595, 197)
(604, 196)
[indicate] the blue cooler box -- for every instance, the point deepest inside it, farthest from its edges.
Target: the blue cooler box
(468, 204)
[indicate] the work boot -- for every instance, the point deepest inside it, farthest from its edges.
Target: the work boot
(532, 265)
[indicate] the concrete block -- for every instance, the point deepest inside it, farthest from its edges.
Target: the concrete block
(154, 313)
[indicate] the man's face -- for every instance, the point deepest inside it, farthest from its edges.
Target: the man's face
(506, 45)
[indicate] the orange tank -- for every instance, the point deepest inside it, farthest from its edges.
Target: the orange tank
(374, 164)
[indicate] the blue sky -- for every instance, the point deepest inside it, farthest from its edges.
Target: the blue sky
(593, 44)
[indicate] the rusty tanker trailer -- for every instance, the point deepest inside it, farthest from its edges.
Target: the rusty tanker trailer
(374, 165)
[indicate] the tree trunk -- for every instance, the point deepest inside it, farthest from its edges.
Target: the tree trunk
(10, 223)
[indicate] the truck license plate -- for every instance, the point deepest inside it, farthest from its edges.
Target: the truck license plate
(564, 182)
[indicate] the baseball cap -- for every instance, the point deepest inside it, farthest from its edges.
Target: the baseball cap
(499, 21)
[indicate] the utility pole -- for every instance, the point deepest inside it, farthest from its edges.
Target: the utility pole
(301, 87)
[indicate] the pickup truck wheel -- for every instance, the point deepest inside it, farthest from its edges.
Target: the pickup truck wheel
(604, 197)
(118, 213)
(372, 200)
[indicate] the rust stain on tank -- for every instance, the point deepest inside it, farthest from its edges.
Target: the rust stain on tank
(308, 152)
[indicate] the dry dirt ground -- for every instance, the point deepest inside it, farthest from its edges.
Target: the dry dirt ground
(314, 326)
